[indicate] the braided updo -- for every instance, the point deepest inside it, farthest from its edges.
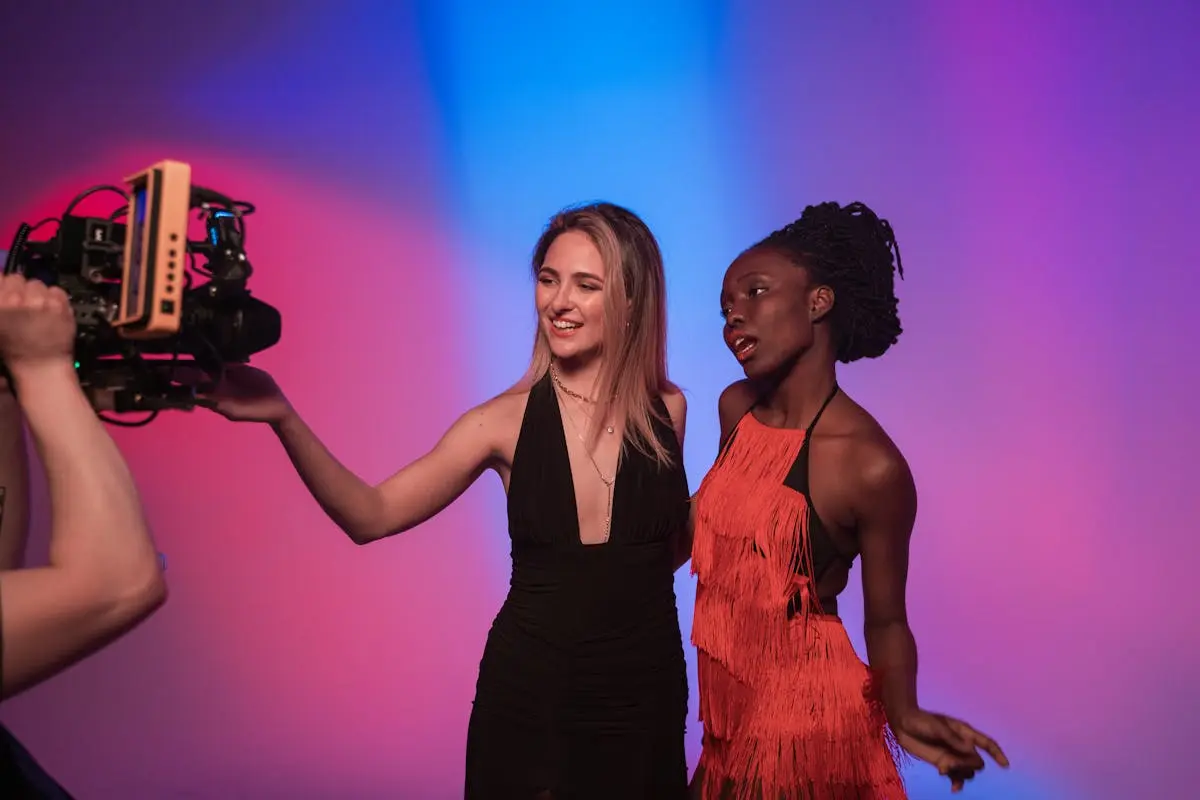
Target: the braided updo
(854, 252)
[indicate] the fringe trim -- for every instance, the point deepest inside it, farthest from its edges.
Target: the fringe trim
(789, 709)
(751, 539)
(813, 733)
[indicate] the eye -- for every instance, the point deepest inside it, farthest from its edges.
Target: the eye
(754, 290)
(587, 287)
(545, 281)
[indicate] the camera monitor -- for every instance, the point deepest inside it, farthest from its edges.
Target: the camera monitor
(155, 251)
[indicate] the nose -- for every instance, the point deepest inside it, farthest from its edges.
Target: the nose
(563, 299)
(735, 318)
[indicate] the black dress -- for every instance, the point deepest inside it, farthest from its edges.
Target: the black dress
(582, 689)
(21, 776)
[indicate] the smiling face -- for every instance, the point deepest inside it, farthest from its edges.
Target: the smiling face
(770, 308)
(570, 297)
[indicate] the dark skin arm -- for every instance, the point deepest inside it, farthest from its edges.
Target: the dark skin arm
(887, 509)
(733, 404)
(883, 502)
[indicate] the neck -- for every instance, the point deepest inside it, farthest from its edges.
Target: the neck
(793, 399)
(579, 374)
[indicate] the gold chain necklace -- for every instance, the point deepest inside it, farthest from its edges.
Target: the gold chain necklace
(581, 398)
(609, 483)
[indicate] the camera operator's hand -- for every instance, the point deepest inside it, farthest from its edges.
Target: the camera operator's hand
(246, 394)
(37, 325)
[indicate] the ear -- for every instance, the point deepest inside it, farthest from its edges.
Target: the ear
(820, 303)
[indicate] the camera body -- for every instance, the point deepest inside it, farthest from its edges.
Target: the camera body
(154, 309)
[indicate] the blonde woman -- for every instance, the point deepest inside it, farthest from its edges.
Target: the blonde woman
(582, 690)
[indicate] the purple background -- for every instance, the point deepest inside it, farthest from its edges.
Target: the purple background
(1038, 162)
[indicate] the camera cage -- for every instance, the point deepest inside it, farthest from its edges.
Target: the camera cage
(158, 315)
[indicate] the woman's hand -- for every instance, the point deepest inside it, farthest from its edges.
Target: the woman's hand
(949, 744)
(246, 394)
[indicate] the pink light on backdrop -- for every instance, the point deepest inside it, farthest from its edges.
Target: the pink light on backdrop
(1026, 506)
(1038, 162)
(1047, 501)
(286, 656)
(1039, 166)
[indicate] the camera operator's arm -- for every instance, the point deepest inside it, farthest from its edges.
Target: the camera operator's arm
(14, 482)
(103, 576)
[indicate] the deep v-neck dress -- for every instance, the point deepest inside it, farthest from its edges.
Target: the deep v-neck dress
(582, 689)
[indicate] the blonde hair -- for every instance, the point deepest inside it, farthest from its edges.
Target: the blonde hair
(634, 370)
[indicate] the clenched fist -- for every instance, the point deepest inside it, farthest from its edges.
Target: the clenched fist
(36, 323)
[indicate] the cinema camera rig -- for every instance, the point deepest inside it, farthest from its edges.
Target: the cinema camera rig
(151, 305)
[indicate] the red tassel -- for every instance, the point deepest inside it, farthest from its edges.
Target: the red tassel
(789, 708)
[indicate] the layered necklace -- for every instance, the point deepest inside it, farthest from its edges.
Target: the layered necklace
(609, 481)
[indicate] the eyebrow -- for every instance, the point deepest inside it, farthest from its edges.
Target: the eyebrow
(743, 279)
(583, 276)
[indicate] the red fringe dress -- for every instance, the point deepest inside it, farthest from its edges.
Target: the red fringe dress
(788, 707)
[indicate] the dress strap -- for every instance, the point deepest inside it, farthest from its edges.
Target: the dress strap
(812, 425)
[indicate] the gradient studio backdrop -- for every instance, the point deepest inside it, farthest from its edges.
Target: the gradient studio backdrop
(1038, 164)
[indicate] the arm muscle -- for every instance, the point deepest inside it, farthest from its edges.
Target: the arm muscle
(410, 496)
(888, 508)
(737, 399)
(422, 489)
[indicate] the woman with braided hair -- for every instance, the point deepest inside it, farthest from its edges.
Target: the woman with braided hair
(806, 480)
